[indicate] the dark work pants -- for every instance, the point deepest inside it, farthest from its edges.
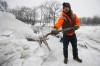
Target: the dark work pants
(73, 40)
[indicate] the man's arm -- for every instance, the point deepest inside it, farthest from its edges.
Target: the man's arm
(59, 23)
(57, 26)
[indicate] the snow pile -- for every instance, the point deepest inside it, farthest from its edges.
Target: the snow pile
(15, 50)
(9, 24)
(19, 53)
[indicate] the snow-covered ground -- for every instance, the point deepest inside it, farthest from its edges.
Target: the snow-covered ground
(15, 50)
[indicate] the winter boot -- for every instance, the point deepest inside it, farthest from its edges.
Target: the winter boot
(78, 59)
(65, 60)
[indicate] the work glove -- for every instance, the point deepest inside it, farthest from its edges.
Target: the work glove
(75, 27)
(54, 32)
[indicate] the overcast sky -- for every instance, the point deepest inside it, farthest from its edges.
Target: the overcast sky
(84, 8)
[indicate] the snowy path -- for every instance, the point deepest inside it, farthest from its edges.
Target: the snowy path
(89, 56)
(89, 51)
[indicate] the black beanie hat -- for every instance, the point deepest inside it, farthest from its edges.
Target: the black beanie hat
(65, 4)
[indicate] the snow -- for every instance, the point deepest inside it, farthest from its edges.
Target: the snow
(15, 50)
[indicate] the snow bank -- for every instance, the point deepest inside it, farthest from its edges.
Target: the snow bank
(9, 24)
(15, 50)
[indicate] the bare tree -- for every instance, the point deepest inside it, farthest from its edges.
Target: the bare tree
(34, 14)
(25, 14)
(3, 5)
(49, 11)
(53, 7)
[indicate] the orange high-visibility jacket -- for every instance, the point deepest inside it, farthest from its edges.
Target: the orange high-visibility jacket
(60, 21)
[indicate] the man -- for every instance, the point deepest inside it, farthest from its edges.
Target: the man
(68, 20)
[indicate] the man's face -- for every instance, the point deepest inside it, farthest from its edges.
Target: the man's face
(66, 9)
